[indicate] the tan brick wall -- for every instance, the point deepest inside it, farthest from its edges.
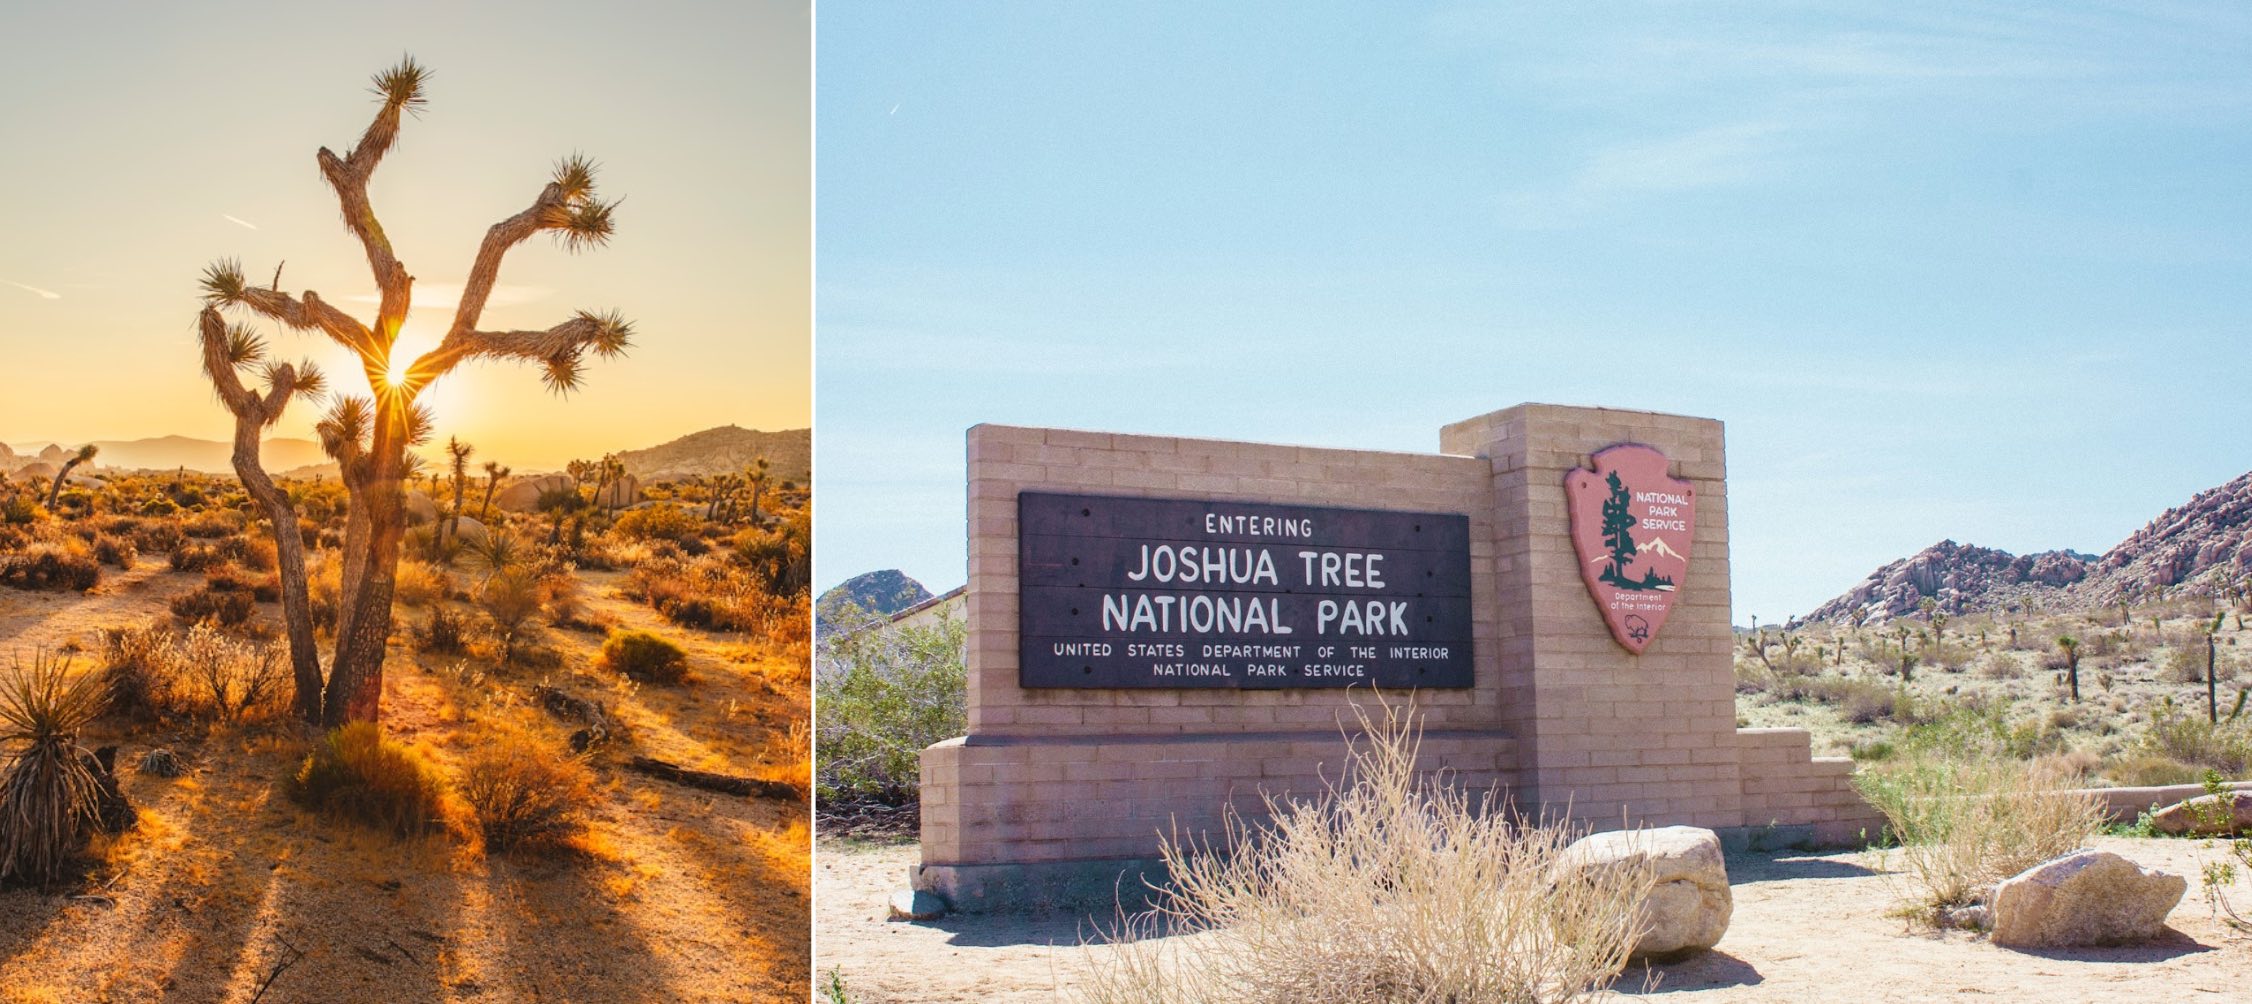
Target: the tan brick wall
(1560, 714)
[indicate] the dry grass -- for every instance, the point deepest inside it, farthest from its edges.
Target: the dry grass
(1966, 822)
(201, 675)
(1389, 886)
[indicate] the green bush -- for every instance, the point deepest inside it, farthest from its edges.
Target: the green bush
(644, 656)
(2189, 738)
(885, 692)
(357, 774)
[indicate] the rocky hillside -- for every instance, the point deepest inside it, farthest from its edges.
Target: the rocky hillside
(789, 454)
(2205, 544)
(884, 592)
(164, 453)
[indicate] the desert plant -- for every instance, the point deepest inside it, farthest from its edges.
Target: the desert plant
(225, 607)
(85, 454)
(55, 566)
(512, 600)
(658, 521)
(494, 472)
(1966, 821)
(227, 349)
(49, 791)
(356, 773)
(526, 799)
(2071, 649)
(447, 630)
(644, 656)
(885, 693)
(1387, 885)
(369, 437)
(117, 551)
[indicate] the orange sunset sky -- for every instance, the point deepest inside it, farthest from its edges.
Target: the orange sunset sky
(141, 148)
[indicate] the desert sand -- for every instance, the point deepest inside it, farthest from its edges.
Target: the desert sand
(1807, 927)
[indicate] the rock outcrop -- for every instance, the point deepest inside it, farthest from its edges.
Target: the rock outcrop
(2204, 544)
(2204, 816)
(2087, 897)
(1689, 905)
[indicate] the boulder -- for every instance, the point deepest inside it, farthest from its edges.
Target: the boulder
(420, 509)
(524, 494)
(2086, 897)
(1688, 907)
(2188, 818)
(40, 471)
(620, 493)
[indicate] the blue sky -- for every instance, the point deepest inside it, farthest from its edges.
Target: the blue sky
(1947, 270)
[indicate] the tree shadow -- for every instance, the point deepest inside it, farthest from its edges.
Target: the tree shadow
(2170, 944)
(560, 935)
(1746, 869)
(1704, 971)
(772, 905)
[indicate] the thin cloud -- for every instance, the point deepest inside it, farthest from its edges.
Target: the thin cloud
(34, 290)
(1713, 157)
(238, 221)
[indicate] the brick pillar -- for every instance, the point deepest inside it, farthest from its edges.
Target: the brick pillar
(1648, 738)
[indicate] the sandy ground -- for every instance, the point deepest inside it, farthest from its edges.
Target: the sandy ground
(678, 895)
(1807, 927)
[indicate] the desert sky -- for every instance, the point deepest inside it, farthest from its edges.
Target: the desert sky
(1977, 270)
(145, 141)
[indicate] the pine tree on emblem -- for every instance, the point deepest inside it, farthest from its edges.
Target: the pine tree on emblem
(1616, 522)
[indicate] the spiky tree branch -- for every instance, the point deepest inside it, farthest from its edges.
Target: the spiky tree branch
(227, 350)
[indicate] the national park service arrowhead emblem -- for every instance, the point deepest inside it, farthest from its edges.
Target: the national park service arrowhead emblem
(1631, 525)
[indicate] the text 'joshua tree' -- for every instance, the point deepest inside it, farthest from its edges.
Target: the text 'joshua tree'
(369, 437)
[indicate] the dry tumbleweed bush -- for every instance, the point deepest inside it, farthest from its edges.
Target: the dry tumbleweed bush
(1391, 885)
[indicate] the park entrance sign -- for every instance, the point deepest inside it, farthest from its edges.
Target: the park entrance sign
(1153, 592)
(1164, 633)
(1632, 527)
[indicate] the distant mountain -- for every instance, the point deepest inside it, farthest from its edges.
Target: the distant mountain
(883, 592)
(789, 454)
(2202, 544)
(172, 452)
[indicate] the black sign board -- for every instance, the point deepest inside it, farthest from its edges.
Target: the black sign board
(1142, 592)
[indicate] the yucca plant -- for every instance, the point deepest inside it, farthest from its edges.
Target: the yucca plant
(49, 793)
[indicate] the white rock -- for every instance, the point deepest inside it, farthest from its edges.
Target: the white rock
(1689, 905)
(2086, 897)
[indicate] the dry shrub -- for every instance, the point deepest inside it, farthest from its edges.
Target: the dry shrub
(447, 631)
(196, 556)
(2150, 770)
(712, 593)
(357, 774)
(212, 525)
(525, 799)
(116, 551)
(55, 566)
(659, 522)
(1966, 822)
(199, 676)
(644, 656)
(225, 607)
(1388, 886)
(512, 600)
(420, 583)
(49, 795)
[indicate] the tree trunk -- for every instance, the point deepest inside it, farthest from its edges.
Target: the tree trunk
(355, 683)
(289, 551)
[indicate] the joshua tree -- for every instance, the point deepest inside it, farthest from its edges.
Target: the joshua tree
(85, 453)
(2212, 685)
(227, 350)
(494, 472)
(2071, 647)
(374, 458)
(557, 503)
(757, 477)
(457, 457)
